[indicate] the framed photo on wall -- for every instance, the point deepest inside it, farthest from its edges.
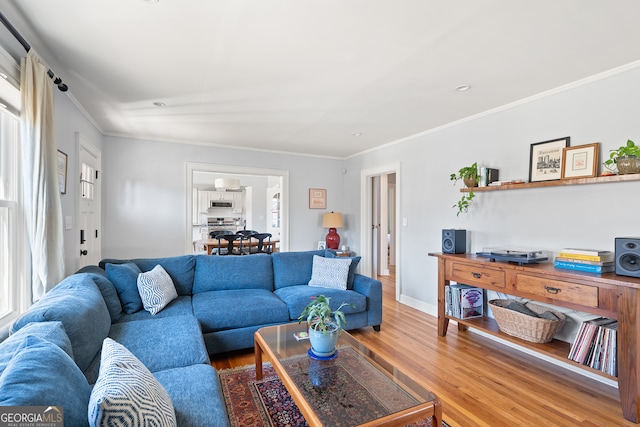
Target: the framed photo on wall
(317, 198)
(545, 159)
(580, 161)
(62, 172)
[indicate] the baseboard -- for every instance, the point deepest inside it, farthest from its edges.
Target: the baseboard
(433, 311)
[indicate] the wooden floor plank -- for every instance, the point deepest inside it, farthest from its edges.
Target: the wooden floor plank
(480, 382)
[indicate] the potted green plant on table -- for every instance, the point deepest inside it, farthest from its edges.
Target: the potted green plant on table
(626, 158)
(325, 325)
(469, 175)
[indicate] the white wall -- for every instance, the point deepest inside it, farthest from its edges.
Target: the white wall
(144, 201)
(604, 110)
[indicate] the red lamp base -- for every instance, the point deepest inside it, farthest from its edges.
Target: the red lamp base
(333, 239)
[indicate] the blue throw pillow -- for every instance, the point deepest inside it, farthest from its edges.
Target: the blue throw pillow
(352, 268)
(125, 278)
(41, 374)
(107, 289)
(78, 304)
(52, 332)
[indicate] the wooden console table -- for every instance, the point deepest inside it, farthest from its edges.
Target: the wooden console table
(608, 295)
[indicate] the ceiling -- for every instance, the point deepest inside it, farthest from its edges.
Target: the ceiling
(329, 78)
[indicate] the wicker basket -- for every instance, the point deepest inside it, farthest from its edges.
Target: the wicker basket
(529, 328)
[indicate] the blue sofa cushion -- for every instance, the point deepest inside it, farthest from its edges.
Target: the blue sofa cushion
(329, 253)
(78, 304)
(52, 332)
(125, 279)
(196, 395)
(221, 310)
(297, 298)
(109, 292)
(180, 268)
(180, 306)
(42, 374)
(126, 393)
(216, 273)
(163, 343)
(293, 268)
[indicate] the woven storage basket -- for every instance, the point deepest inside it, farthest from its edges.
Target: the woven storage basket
(529, 328)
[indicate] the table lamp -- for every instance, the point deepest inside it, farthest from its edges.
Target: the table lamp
(332, 221)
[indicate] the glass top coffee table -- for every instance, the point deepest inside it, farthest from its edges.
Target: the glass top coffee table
(356, 388)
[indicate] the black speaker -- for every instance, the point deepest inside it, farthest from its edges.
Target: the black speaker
(628, 256)
(454, 241)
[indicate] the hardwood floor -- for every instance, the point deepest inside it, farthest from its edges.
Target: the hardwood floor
(479, 382)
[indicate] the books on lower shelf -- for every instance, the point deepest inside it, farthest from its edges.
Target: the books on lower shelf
(463, 301)
(595, 345)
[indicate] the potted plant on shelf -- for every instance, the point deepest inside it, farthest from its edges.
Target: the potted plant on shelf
(325, 325)
(626, 158)
(469, 175)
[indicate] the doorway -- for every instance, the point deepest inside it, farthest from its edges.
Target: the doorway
(89, 199)
(257, 202)
(380, 233)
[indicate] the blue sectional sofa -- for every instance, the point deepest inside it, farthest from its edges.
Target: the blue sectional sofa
(221, 301)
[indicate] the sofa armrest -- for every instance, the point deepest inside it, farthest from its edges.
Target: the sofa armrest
(372, 289)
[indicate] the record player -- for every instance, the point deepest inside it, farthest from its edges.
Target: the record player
(518, 256)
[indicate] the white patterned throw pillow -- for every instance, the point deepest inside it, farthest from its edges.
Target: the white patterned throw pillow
(330, 272)
(126, 393)
(156, 289)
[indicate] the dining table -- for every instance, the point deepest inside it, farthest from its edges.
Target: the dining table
(210, 245)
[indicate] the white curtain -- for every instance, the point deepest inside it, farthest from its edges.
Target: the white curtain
(43, 209)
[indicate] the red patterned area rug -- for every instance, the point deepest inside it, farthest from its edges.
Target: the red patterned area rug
(264, 403)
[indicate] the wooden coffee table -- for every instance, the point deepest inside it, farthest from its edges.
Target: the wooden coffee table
(358, 387)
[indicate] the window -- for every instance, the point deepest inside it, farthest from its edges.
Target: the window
(87, 181)
(10, 218)
(14, 257)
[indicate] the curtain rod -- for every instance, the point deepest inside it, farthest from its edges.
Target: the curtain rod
(56, 80)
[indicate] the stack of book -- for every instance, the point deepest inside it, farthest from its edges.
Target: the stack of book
(595, 345)
(588, 260)
(463, 301)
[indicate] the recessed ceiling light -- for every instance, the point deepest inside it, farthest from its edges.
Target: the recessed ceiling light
(151, 1)
(356, 134)
(159, 104)
(463, 88)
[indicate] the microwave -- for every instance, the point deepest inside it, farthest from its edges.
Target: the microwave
(221, 204)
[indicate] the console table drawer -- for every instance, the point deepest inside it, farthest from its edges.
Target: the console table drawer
(474, 275)
(558, 290)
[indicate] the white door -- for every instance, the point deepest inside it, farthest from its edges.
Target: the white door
(274, 210)
(89, 224)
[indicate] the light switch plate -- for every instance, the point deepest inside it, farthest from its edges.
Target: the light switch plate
(68, 223)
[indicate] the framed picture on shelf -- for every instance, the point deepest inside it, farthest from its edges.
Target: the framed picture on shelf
(322, 244)
(580, 161)
(62, 172)
(545, 159)
(317, 198)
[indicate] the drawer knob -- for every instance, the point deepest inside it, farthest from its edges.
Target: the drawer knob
(476, 275)
(552, 290)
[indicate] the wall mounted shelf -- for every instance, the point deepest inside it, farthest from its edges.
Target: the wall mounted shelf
(557, 183)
